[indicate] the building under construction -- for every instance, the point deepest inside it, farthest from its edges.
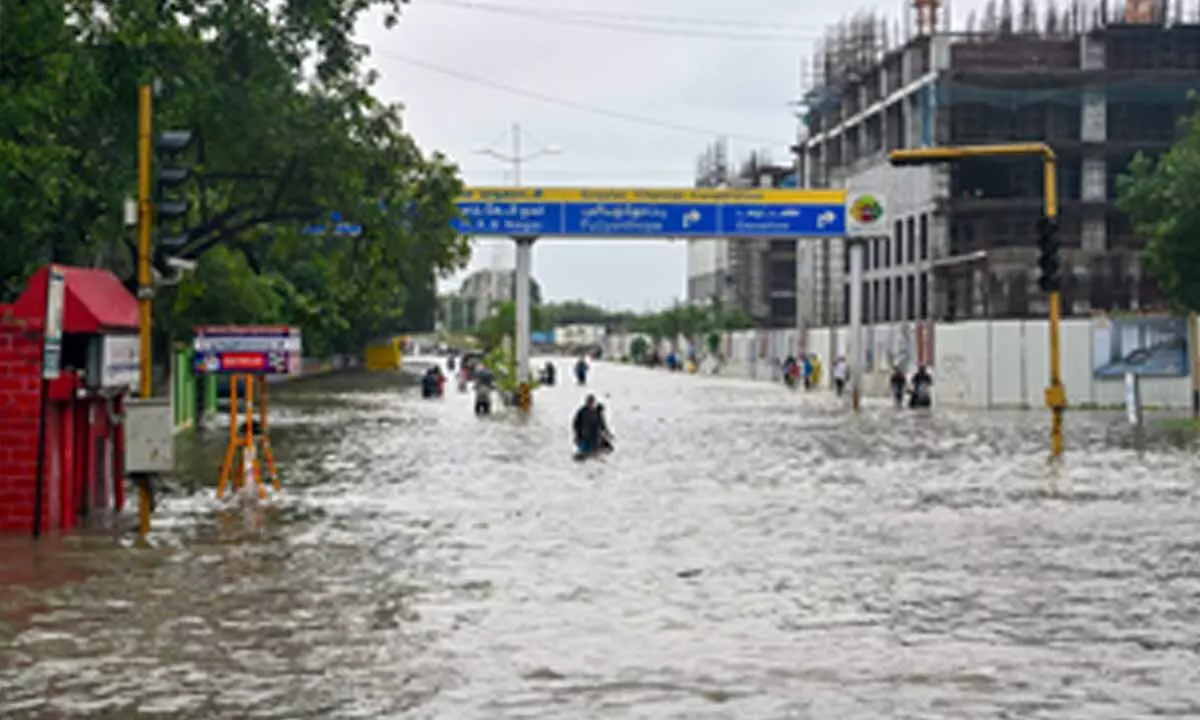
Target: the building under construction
(757, 276)
(1099, 83)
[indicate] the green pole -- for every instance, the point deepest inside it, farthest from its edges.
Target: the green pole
(176, 385)
(189, 384)
(210, 395)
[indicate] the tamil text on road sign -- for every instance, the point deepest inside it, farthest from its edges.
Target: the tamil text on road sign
(600, 212)
(248, 349)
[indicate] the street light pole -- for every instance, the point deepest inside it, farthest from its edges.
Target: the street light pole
(516, 153)
(524, 268)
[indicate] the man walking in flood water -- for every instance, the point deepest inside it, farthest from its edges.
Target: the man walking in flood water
(587, 427)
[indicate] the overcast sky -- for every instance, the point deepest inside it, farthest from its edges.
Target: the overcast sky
(640, 87)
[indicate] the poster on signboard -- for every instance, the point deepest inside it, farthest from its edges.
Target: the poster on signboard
(248, 349)
(1148, 346)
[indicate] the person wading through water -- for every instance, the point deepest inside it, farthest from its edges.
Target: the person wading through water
(587, 427)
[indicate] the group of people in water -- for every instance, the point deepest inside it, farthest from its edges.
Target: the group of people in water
(433, 382)
(807, 370)
(590, 426)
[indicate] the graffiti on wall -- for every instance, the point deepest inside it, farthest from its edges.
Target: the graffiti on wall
(954, 377)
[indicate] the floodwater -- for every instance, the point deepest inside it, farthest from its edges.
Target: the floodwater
(746, 553)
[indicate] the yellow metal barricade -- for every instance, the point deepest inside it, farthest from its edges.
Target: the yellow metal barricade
(383, 355)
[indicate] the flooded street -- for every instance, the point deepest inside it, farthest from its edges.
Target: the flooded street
(747, 553)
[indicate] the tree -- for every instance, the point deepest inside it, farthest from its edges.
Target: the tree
(575, 311)
(289, 132)
(639, 350)
(503, 323)
(1160, 198)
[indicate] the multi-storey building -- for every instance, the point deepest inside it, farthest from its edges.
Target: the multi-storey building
(478, 296)
(757, 276)
(1099, 85)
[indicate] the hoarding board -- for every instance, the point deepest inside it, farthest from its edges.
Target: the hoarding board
(248, 350)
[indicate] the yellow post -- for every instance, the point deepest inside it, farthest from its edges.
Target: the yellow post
(145, 281)
(231, 451)
(1056, 394)
(249, 446)
(265, 437)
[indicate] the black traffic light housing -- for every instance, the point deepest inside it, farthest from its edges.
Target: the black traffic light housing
(171, 174)
(1049, 260)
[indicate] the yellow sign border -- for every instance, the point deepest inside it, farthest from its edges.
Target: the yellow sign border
(663, 196)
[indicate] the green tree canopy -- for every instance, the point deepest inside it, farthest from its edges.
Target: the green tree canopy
(503, 323)
(1161, 198)
(288, 129)
(691, 321)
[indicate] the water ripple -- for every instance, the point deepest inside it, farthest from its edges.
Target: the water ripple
(747, 553)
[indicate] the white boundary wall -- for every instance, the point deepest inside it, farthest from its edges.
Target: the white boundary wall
(978, 364)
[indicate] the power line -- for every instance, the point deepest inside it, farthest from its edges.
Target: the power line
(541, 9)
(578, 106)
(628, 24)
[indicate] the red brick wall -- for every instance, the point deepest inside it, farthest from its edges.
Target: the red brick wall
(20, 366)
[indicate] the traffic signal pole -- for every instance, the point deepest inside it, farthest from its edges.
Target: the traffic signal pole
(145, 219)
(1056, 393)
(145, 279)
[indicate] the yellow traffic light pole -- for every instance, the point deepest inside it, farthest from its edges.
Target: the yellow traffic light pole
(145, 279)
(1056, 394)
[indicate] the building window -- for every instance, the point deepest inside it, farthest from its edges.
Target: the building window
(923, 295)
(911, 297)
(924, 236)
(887, 251)
(912, 238)
(898, 292)
(898, 238)
(887, 301)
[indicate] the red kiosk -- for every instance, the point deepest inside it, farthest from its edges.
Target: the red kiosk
(84, 437)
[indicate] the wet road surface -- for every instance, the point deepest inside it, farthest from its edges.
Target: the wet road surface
(746, 553)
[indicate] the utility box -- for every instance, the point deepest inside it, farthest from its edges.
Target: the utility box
(149, 436)
(113, 361)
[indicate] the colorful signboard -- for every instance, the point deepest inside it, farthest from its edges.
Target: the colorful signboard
(648, 212)
(248, 349)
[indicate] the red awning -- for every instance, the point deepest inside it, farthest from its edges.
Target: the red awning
(95, 302)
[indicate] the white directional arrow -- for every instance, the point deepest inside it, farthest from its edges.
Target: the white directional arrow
(690, 217)
(826, 218)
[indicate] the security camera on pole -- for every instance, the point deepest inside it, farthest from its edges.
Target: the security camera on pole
(524, 268)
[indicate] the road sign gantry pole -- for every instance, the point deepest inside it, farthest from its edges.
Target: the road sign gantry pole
(1056, 394)
(524, 311)
(858, 356)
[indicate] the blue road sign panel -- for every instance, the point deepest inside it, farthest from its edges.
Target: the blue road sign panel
(647, 220)
(341, 228)
(502, 218)
(582, 219)
(783, 220)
